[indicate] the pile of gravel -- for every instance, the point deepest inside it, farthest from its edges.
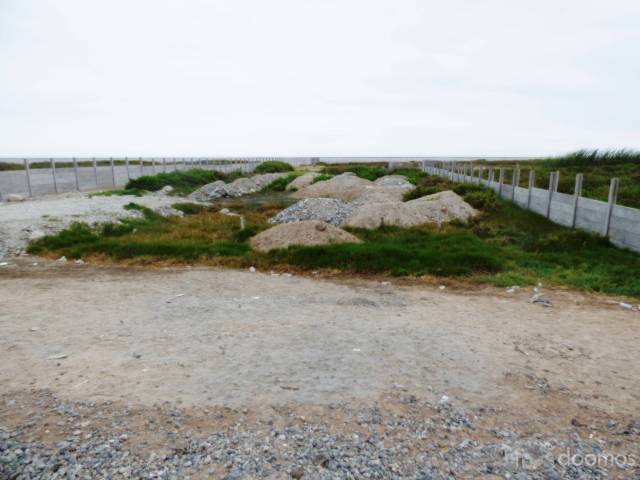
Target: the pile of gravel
(308, 232)
(237, 188)
(328, 210)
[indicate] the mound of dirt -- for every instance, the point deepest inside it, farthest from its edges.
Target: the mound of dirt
(310, 232)
(345, 187)
(303, 181)
(328, 210)
(436, 209)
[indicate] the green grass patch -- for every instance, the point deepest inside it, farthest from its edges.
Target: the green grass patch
(273, 166)
(322, 177)
(399, 252)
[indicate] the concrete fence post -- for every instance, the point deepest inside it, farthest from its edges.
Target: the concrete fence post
(515, 183)
(552, 188)
(27, 172)
(141, 167)
(53, 174)
(126, 162)
(175, 163)
(75, 171)
(153, 165)
(500, 182)
(389, 167)
(113, 171)
(164, 165)
(532, 184)
(95, 170)
(613, 196)
(577, 192)
(491, 176)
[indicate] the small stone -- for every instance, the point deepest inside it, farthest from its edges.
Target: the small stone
(297, 473)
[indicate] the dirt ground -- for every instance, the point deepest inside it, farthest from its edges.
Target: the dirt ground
(261, 345)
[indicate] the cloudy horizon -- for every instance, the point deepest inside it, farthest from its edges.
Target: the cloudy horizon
(289, 78)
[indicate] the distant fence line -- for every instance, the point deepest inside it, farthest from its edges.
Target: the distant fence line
(103, 173)
(621, 224)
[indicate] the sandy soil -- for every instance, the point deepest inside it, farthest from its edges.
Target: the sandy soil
(230, 338)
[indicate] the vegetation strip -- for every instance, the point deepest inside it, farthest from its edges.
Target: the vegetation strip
(504, 246)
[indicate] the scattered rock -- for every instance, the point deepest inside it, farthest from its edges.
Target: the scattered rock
(300, 233)
(167, 189)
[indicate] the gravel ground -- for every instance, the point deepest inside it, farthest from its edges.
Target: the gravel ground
(205, 373)
(33, 218)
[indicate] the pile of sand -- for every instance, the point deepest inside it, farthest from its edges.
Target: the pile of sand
(437, 209)
(346, 187)
(303, 181)
(310, 232)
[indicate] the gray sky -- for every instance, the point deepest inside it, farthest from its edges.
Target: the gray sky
(323, 77)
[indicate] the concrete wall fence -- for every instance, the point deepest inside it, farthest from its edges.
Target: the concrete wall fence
(103, 173)
(621, 224)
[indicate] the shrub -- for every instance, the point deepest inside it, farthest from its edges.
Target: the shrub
(273, 166)
(183, 182)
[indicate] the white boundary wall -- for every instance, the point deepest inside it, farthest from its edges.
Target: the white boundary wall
(620, 224)
(32, 182)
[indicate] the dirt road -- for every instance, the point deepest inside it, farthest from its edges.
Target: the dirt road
(205, 340)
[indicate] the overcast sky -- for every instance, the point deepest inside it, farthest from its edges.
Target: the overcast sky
(321, 77)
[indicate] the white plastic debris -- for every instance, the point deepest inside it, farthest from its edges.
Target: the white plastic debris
(444, 400)
(441, 287)
(79, 262)
(252, 269)
(57, 357)
(385, 283)
(626, 306)
(62, 259)
(256, 298)
(4, 264)
(356, 349)
(541, 299)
